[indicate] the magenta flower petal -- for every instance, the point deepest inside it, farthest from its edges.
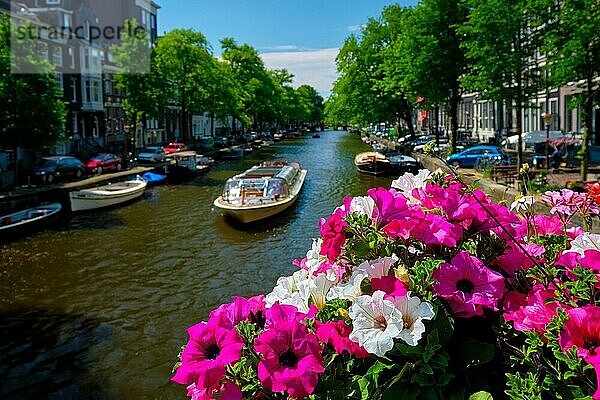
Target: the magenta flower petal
(291, 359)
(391, 285)
(537, 313)
(468, 285)
(336, 334)
(582, 329)
(210, 347)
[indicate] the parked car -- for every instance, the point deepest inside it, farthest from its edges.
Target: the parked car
(104, 162)
(468, 157)
(50, 169)
(222, 141)
(174, 147)
(151, 154)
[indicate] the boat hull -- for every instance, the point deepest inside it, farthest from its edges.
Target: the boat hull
(29, 220)
(259, 212)
(102, 197)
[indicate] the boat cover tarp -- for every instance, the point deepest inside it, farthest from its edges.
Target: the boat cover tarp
(151, 177)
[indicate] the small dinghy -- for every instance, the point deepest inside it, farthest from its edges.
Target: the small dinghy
(28, 220)
(107, 195)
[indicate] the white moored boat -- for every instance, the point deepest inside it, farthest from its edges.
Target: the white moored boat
(262, 191)
(106, 195)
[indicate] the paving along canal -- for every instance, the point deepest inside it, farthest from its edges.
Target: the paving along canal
(98, 308)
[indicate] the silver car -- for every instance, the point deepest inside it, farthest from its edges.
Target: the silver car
(152, 154)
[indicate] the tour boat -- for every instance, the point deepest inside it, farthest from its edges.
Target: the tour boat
(107, 195)
(34, 218)
(372, 163)
(262, 191)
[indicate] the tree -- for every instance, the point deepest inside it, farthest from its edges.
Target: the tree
(257, 88)
(571, 44)
(138, 76)
(313, 104)
(430, 57)
(188, 69)
(32, 115)
(501, 49)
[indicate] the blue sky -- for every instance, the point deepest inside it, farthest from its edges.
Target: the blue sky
(302, 36)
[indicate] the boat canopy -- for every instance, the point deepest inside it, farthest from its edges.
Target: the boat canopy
(261, 183)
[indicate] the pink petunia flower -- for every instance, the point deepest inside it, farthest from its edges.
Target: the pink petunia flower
(279, 313)
(389, 206)
(537, 313)
(222, 391)
(391, 285)
(514, 259)
(229, 315)
(332, 231)
(291, 359)
(336, 334)
(582, 329)
(209, 349)
(468, 285)
(434, 230)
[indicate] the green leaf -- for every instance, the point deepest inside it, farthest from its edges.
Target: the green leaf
(481, 396)
(400, 390)
(473, 352)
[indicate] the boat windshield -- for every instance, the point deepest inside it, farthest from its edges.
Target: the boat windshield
(243, 190)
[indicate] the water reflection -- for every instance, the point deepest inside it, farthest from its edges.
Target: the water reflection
(124, 284)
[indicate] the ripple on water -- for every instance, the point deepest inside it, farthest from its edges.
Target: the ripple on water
(105, 300)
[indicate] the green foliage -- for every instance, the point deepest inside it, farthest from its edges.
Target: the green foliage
(32, 114)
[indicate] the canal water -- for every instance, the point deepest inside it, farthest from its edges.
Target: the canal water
(98, 308)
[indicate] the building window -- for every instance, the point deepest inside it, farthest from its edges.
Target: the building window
(67, 21)
(86, 29)
(73, 90)
(71, 53)
(57, 56)
(86, 58)
(88, 89)
(58, 78)
(554, 111)
(96, 91)
(52, 2)
(44, 50)
(108, 86)
(75, 124)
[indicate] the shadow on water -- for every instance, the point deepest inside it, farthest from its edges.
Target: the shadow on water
(45, 355)
(225, 224)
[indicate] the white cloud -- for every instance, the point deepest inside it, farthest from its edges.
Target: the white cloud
(312, 67)
(285, 47)
(356, 28)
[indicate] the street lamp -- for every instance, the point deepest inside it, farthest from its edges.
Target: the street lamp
(547, 121)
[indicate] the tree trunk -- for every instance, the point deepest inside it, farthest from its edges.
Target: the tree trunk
(587, 128)
(453, 133)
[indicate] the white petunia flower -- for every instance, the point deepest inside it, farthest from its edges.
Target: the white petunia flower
(292, 290)
(407, 182)
(319, 287)
(413, 313)
(313, 257)
(522, 203)
(375, 323)
(349, 290)
(378, 268)
(586, 241)
(362, 205)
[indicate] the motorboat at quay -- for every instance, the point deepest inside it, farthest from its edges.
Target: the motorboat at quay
(106, 195)
(261, 191)
(30, 219)
(372, 163)
(186, 164)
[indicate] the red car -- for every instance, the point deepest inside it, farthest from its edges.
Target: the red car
(104, 162)
(175, 147)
